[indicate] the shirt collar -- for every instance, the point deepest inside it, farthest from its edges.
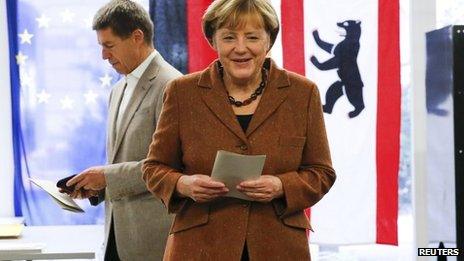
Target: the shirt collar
(137, 72)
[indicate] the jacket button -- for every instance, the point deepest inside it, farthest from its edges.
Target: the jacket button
(243, 147)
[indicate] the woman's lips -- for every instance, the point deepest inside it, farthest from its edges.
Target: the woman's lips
(242, 62)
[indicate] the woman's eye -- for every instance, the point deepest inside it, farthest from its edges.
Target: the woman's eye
(253, 37)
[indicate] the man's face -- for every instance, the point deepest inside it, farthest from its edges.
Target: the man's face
(121, 53)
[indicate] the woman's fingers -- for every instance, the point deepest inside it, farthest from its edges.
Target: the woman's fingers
(207, 182)
(254, 184)
(208, 193)
(266, 190)
(262, 197)
(205, 197)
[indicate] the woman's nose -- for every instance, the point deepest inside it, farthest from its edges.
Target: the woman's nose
(241, 46)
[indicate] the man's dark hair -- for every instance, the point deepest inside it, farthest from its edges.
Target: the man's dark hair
(124, 17)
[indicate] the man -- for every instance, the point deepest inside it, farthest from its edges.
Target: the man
(136, 224)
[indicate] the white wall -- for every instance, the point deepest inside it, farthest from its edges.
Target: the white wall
(6, 147)
(422, 19)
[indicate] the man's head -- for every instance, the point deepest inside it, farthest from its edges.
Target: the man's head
(125, 32)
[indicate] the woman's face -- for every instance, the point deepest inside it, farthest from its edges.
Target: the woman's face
(242, 50)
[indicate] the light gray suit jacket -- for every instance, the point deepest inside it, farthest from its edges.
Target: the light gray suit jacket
(141, 223)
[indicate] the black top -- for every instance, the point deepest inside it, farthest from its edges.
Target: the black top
(244, 121)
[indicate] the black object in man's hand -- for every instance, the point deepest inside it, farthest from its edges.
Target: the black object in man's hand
(62, 184)
(69, 189)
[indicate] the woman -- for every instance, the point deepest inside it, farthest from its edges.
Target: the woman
(245, 104)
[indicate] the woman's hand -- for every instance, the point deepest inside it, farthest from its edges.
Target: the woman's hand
(264, 189)
(200, 188)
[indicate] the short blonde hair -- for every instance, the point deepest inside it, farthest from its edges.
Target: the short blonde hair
(232, 12)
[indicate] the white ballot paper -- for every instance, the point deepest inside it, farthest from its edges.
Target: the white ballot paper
(11, 227)
(232, 168)
(62, 199)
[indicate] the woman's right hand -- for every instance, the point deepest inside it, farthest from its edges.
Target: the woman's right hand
(200, 188)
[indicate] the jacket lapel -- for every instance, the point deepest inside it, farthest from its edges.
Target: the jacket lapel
(113, 114)
(274, 94)
(215, 97)
(141, 89)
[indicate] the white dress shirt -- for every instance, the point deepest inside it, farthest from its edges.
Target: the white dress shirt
(131, 81)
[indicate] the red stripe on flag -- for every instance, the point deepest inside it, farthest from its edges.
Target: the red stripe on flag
(200, 54)
(293, 35)
(388, 122)
(292, 31)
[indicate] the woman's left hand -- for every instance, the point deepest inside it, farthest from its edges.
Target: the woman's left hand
(264, 189)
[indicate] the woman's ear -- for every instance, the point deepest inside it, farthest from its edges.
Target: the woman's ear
(269, 46)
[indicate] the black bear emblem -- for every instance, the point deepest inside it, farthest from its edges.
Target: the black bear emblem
(345, 61)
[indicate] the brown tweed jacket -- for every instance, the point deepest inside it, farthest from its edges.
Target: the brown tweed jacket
(196, 122)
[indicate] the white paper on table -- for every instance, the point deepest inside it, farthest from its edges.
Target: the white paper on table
(11, 220)
(62, 199)
(11, 230)
(232, 168)
(11, 226)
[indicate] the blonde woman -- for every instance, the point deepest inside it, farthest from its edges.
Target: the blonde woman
(245, 104)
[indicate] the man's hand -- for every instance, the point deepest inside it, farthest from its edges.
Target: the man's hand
(80, 194)
(264, 189)
(89, 179)
(200, 188)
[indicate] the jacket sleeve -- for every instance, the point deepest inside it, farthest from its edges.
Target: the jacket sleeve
(123, 179)
(162, 168)
(315, 176)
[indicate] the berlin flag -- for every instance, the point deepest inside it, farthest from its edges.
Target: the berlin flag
(350, 49)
